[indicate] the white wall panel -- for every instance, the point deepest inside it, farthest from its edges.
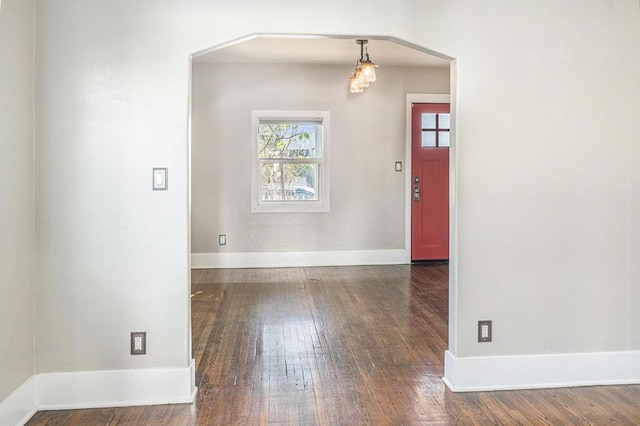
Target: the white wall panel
(16, 194)
(547, 190)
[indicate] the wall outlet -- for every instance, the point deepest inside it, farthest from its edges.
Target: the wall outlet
(222, 239)
(484, 331)
(138, 343)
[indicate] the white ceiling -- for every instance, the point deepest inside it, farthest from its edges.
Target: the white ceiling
(320, 51)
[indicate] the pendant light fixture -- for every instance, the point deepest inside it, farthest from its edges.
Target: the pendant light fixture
(365, 72)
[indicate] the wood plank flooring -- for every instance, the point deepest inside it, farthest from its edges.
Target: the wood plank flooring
(340, 346)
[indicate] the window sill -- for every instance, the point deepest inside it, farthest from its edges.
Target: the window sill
(285, 207)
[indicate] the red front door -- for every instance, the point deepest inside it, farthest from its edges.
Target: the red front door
(430, 181)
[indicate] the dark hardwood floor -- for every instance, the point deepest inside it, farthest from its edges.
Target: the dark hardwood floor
(340, 346)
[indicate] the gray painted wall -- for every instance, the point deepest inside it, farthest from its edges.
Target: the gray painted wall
(367, 136)
(16, 194)
(547, 200)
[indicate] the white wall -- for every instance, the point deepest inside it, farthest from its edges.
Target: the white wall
(111, 253)
(547, 198)
(367, 136)
(548, 149)
(16, 194)
(112, 256)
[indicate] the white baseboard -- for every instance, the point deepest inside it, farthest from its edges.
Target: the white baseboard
(21, 405)
(541, 371)
(298, 259)
(96, 389)
(115, 388)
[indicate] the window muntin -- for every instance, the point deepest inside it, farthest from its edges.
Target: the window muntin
(289, 162)
(435, 130)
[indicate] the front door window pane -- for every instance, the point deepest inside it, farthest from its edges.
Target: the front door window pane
(428, 138)
(428, 121)
(443, 138)
(444, 121)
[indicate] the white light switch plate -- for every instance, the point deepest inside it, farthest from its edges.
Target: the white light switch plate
(160, 179)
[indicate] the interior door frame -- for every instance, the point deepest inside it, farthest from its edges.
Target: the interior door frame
(410, 98)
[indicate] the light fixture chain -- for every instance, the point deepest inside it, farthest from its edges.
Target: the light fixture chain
(364, 72)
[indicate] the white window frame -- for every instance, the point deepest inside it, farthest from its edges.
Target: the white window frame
(294, 206)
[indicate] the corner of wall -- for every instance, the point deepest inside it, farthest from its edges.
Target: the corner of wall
(118, 388)
(21, 405)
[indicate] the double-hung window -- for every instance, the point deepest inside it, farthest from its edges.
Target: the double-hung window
(289, 170)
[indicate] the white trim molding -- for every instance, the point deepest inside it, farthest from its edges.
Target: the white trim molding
(21, 405)
(97, 389)
(116, 388)
(297, 259)
(470, 374)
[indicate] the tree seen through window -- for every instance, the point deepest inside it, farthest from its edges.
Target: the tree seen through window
(290, 153)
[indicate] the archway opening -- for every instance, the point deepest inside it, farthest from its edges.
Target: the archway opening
(369, 218)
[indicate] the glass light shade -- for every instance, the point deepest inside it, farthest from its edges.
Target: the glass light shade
(368, 71)
(362, 81)
(354, 86)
